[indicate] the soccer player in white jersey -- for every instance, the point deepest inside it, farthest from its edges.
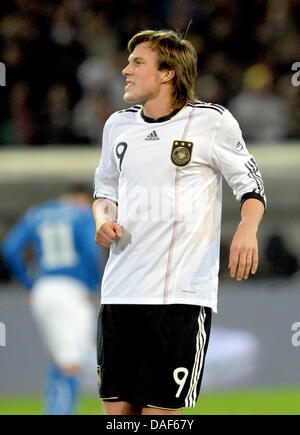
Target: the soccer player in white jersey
(158, 207)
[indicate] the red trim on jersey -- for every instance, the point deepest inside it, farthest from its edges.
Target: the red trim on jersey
(174, 233)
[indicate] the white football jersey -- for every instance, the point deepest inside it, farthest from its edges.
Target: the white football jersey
(166, 177)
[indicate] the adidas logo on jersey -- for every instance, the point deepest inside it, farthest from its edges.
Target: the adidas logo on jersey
(152, 136)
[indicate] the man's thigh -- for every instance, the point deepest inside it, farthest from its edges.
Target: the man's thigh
(153, 355)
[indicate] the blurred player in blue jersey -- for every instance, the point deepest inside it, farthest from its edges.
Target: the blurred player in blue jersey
(67, 272)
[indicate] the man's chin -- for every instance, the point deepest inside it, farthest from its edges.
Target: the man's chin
(130, 98)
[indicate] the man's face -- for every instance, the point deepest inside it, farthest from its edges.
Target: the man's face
(143, 80)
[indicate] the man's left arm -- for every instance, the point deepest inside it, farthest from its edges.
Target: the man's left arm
(238, 166)
(243, 257)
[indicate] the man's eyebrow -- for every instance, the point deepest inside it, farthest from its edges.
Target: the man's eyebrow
(135, 58)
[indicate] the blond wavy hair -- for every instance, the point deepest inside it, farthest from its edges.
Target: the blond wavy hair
(174, 53)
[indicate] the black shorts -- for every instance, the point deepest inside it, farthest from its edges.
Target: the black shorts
(152, 355)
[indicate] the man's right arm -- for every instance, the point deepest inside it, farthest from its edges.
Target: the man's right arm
(13, 252)
(105, 214)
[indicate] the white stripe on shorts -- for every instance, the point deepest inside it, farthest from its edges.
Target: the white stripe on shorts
(191, 397)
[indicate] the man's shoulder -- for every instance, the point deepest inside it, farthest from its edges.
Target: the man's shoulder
(218, 114)
(125, 114)
(35, 214)
(208, 108)
(132, 109)
(40, 208)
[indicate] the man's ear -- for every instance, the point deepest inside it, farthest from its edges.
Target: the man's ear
(167, 75)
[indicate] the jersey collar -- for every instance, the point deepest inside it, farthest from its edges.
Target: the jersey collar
(162, 118)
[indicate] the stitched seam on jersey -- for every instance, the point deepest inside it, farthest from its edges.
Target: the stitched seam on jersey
(174, 232)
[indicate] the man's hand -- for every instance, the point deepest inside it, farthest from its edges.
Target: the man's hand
(105, 214)
(107, 232)
(243, 257)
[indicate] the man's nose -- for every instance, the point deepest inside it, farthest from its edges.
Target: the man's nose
(126, 70)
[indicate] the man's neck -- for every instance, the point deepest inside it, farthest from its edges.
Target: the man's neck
(161, 118)
(158, 108)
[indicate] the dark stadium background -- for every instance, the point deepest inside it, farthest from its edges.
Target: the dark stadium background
(63, 60)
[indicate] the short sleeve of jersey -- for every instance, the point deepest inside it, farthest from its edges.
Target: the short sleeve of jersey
(230, 155)
(107, 175)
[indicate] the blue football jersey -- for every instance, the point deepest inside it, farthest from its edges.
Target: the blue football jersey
(62, 234)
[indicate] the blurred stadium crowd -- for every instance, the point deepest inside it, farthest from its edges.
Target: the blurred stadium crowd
(63, 61)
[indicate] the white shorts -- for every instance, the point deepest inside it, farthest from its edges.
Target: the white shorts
(65, 316)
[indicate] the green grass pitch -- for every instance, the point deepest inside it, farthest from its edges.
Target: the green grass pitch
(251, 402)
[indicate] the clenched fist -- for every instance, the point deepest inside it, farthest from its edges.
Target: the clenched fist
(107, 232)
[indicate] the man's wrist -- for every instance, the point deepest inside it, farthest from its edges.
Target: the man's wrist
(246, 222)
(100, 223)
